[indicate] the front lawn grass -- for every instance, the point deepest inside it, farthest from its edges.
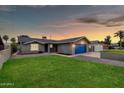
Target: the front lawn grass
(114, 51)
(59, 72)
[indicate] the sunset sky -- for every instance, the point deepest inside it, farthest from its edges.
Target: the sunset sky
(60, 22)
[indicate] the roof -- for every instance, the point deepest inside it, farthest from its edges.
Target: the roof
(27, 40)
(42, 41)
(71, 40)
(95, 42)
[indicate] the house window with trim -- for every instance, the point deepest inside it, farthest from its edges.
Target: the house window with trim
(34, 47)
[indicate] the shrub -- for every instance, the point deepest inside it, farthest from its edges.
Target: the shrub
(14, 48)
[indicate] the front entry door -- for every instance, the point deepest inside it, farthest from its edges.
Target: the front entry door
(46, 47)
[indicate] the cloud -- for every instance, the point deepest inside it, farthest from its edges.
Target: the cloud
(118, 19)
(108, 20)
(87, 20)
(104, 19)
(40, 6)
(6, 8)
(60, 24)
(36, 6)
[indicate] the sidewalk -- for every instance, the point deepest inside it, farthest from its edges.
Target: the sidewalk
(35, 55)
(81, 57)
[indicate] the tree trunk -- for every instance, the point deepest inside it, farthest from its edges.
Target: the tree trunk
(120, 43)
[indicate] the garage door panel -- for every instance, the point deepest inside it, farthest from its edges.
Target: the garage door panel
(80, 49)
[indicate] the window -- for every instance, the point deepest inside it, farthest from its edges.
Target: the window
(34, 47)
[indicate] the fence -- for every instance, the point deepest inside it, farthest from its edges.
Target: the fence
(4, 56)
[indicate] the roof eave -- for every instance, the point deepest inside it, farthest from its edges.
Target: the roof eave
(33, 42)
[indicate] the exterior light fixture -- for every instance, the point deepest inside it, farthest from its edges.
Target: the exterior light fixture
(51, 45)
(73, 45)
(82, 42)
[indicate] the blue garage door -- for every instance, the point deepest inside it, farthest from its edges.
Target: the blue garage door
(80, 49)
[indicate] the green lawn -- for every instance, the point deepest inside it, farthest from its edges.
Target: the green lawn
(56, 71)
(114, 51)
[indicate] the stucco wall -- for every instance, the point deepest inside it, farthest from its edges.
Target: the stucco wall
(113, 56)
(68, 48)
(27, 48)
(4, 56)
(42, 48)
(95, 47)
(65, 48)
(82, 41)
(98, 47)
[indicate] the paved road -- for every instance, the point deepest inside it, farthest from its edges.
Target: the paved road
(98, 60)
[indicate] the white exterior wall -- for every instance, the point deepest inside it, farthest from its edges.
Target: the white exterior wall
(4, 56)
(95, 47)
(65, 48)
(25, 48)
(70, 47)
(82, 41)
(42, 48)
(98, 47)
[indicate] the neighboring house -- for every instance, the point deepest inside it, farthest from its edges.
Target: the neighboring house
(67, 46)
(1, 44)
(95, 46)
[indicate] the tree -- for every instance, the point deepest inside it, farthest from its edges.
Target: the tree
(13, 40)
(107, 40)
(6, 37)
(120, 34)
(122, 43)
(1, 44)
(13, 45)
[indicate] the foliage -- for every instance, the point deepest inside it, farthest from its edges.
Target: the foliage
(6, 38)
(114, 51)
(13, 40)
(107, 40)
(1, 44)
(120, 34)
(14, 47)
(122, 44)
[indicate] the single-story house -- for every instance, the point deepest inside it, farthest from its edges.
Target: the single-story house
(1, 44)
(71, 46)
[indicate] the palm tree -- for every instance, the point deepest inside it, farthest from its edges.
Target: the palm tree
(120, 34)
(13, 40)
(6, 37)
(108, 40)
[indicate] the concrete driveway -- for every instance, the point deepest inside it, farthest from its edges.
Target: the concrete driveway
(92, 54)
